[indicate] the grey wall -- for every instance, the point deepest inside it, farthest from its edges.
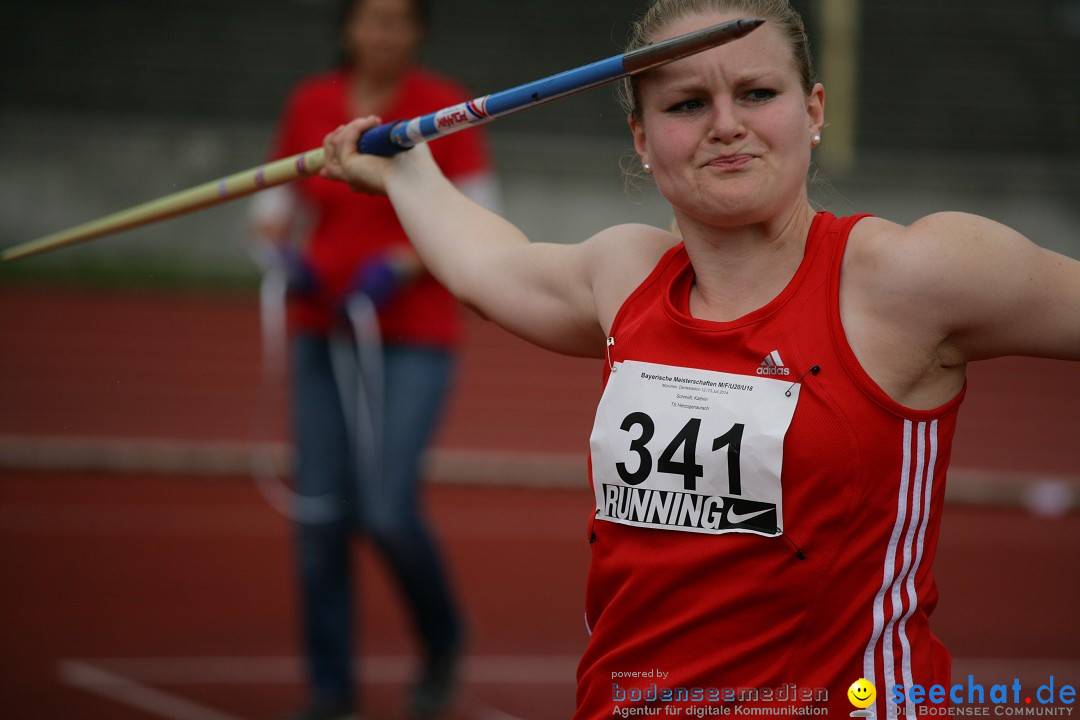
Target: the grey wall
(106, 103)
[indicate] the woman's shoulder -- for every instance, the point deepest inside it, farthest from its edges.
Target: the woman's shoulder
(632, 243)
(942, 274)
(619, 259)
(970, 287)
(886, 252)
(939, 225)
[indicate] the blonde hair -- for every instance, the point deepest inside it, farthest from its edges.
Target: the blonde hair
(662, 13)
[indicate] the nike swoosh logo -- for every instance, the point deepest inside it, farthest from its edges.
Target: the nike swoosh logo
(736, 519)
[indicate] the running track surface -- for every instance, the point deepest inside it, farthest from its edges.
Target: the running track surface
(97, 364)
(149, 597)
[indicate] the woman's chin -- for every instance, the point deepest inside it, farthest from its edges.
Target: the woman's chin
(729, 211)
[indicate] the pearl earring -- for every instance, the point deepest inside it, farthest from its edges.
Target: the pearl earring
(648, 168)
(816, 140)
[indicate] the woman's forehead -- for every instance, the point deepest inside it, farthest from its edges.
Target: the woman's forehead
(763, 52)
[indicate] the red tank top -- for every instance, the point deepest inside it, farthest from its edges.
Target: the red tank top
(766, 515)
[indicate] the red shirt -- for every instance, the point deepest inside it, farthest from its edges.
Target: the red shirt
(352, 228)
(695, 574)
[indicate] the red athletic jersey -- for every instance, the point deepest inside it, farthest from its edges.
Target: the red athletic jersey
(767, 516)
(351, 228)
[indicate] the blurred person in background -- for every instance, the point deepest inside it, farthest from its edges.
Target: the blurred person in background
(352, 245)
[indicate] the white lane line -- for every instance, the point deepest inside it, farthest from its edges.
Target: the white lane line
(393, 669)
(122, 679)
(387, 669)
(460, 466)
(134, 694)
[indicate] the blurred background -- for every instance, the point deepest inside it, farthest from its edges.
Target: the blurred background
(129, 367)
(943, 104)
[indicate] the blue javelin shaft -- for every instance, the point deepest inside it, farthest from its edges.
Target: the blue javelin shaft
(394, 137)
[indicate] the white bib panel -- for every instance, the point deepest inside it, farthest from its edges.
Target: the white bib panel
(691, 450)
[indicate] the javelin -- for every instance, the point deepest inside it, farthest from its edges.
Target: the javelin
(394, 137)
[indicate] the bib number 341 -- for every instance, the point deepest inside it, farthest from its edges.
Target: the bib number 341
(686, 440)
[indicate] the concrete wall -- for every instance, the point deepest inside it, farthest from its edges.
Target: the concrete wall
(112, 102)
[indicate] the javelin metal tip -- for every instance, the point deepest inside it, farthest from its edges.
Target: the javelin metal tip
(744, 26)
(676, 48)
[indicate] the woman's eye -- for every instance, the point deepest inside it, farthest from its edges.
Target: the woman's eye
(760, 95)
(686, 106)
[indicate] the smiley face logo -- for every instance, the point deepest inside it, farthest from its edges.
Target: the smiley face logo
(862, 693)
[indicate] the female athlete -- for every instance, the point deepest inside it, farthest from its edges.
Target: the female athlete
(782, 385)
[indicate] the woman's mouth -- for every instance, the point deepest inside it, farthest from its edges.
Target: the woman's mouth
(730, 162)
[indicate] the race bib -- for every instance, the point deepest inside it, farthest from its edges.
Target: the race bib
(691, 450)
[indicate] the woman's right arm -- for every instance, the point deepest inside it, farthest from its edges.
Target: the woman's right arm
(556, 296)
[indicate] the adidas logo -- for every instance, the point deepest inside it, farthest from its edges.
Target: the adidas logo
(773, 365)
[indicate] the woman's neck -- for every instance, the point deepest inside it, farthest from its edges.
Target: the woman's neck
(738, 270)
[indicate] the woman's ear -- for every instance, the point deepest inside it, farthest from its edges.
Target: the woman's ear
(815, 109)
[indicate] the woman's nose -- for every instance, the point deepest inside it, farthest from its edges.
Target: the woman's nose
(727, 124)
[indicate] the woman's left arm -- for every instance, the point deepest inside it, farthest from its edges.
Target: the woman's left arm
(992, 290)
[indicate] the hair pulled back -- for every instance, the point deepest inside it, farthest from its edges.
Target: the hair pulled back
(662, 13)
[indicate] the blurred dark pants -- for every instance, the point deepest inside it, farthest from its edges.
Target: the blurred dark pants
(384, 509)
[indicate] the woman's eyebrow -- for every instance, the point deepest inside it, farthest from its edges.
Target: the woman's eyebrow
(685, 86)
(753, 78)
